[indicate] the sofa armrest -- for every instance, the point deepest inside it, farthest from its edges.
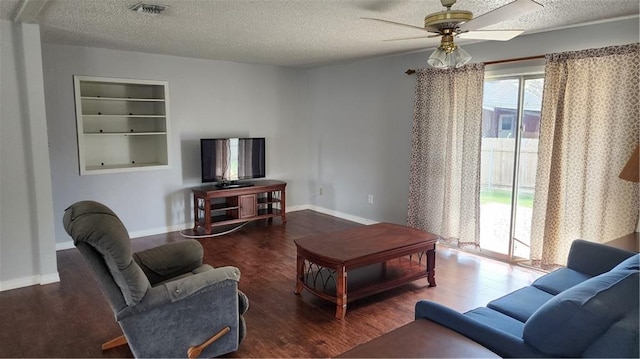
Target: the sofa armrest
(593, 258)
(501, 343)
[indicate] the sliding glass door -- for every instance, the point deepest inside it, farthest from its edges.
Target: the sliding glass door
(509, 155)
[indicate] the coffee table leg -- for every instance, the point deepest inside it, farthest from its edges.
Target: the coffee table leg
(299, 274)
(341, 292)
(431, 266)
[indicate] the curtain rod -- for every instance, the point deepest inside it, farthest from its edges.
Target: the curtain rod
(411, 71)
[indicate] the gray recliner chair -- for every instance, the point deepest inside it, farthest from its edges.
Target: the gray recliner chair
(166, 301)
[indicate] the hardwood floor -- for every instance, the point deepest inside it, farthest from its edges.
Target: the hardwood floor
(72, 318)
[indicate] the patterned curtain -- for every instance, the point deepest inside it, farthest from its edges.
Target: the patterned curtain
(589, 128)
(444, 183)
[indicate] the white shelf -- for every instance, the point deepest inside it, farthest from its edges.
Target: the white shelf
(123, 166)
(99, 98)
(127, 167)
(122, 124)
(126, 116)
(123, 133)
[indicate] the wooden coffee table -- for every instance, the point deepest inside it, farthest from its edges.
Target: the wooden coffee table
(377, 257)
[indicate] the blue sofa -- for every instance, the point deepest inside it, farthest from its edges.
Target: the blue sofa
(588, 309)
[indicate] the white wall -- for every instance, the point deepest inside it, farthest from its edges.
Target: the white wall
(207, 99)
(27, 245)
(361, 117)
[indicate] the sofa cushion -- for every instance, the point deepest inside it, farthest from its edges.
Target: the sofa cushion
(568, 323)
(631, 263)
(497, 320)
(522, 303)
(560, 280)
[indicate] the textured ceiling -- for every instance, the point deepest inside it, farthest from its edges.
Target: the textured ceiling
(302, 33)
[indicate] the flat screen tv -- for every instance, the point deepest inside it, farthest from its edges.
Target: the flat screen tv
(229, 160)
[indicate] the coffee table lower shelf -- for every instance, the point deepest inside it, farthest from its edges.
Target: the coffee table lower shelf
(364, 281)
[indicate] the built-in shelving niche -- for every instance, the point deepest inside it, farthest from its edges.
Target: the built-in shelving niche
(123, 124)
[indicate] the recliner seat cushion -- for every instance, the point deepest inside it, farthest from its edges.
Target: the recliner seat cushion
(567, 324)
(160, 263)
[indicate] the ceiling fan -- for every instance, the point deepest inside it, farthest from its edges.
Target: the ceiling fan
(461, 23)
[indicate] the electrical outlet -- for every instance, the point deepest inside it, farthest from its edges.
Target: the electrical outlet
(320, 191)
(370, 199)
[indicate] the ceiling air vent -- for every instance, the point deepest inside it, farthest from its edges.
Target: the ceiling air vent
(148, 9)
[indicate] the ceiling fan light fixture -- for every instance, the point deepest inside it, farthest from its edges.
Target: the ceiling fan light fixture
(448, 55)
(461, 57)
(438, 59)
(441, 59)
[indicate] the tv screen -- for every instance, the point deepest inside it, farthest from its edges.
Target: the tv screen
(232, 159)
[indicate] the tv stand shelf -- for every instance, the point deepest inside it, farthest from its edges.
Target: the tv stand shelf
(213, 206)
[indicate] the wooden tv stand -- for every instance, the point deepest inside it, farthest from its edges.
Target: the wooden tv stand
(213, 206)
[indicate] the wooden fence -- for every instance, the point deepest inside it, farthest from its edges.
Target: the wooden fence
(497, 163)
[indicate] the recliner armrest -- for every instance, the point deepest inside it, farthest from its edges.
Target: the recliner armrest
(182, 288)
(593, 258)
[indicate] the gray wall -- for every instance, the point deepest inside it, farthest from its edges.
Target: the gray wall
(27, 251)
(207, 99)
(361, 117)
(345, 128)
(360, 123)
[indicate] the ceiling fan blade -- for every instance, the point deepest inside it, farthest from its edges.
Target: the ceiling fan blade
(503, 13)
(497, 35)
(414, 38)
(430, 29)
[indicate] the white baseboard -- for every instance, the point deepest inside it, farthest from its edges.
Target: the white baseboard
(160, 230)
(301, 207)
(342, 215)
(49, 278)
(331, 212)
(64, 246)
(29, 281)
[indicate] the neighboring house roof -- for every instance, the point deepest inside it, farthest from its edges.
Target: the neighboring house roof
(504, 94)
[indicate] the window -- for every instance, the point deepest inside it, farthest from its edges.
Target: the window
(511, 107)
